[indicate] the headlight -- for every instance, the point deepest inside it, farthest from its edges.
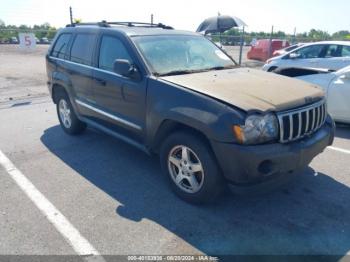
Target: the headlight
(257, 129)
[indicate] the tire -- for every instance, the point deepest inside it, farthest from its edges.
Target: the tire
(196, 187)
(67, 117)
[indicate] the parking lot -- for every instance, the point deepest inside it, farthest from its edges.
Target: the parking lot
(117, 202)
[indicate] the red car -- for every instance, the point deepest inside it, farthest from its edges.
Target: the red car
(262, 50)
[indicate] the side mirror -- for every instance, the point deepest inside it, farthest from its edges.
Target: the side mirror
(294, 56)
(125, 68)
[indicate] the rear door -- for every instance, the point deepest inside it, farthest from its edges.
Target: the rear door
(345, 55)
(81, 70)
(331, 58)
(121, 100)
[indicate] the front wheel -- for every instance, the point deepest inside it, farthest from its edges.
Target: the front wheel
(272, 69)
(67, 117)
(191, 168)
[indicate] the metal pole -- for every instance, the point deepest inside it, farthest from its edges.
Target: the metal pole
(71, 15)
(295, 34)
(241, 47)
(151, 19)
(270, 48)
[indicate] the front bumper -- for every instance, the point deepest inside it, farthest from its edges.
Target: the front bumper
(248, 167)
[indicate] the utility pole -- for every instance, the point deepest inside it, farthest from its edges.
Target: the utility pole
(71, 15)
(295, 35)
(219, 27)
(270, 49)
(151, 19)
(241, 47)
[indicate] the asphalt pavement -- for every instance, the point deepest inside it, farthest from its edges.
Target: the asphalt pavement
(114, 198)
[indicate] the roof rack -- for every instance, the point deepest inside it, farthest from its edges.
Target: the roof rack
(104, 23)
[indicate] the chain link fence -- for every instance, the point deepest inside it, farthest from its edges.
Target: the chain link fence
(238, 46)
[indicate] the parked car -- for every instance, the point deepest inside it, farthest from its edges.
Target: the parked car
(177, 95)
(45, 41)
(37, 41)
(263, 49)
(287, 49)
(337, 88)
(332, 55)
(13, 40)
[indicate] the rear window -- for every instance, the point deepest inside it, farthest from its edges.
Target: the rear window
(60, 48)
(82, 49)
(261, 43)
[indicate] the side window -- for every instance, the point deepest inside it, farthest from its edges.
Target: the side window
(82, 49)
(333, 51)
(111, 49)
(60, 47)
(345, 51)
(313, 51)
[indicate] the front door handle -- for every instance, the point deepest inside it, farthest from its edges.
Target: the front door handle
(100, 81)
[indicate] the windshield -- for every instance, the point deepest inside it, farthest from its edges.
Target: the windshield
(177, 54)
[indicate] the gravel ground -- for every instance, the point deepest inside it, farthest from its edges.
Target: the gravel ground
(22, 74)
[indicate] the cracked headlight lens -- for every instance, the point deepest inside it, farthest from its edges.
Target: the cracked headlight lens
(257, 129)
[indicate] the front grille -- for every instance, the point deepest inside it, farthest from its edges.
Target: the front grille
(297, 123)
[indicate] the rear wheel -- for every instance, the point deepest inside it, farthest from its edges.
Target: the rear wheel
(67, 117)
(191, 168)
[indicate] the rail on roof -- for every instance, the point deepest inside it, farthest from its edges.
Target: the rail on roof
(128, 24)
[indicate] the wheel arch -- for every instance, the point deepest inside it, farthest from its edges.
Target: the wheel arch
(56, 90)
(169, 126)
(272, 68)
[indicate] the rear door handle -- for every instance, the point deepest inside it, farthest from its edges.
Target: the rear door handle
(100, 81)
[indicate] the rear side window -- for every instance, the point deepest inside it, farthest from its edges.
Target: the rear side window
(333, 51)
(60, 48)
(111, 49)
(82, 49)
(345, 51)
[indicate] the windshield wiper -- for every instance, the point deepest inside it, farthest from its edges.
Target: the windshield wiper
(183, 72)
(178, 72)
(220, 68)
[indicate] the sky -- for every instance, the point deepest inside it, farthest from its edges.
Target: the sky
(259, 15)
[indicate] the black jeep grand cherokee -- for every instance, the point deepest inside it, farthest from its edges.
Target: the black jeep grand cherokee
(176, 94)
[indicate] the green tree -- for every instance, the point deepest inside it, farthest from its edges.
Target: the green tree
(232, 31)
(51, 32)
(318, 35)
(341, 35)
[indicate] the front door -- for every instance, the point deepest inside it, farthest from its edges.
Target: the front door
(121, 100)
(308, 56)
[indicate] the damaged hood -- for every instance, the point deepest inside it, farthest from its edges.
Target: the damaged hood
(250, 89)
